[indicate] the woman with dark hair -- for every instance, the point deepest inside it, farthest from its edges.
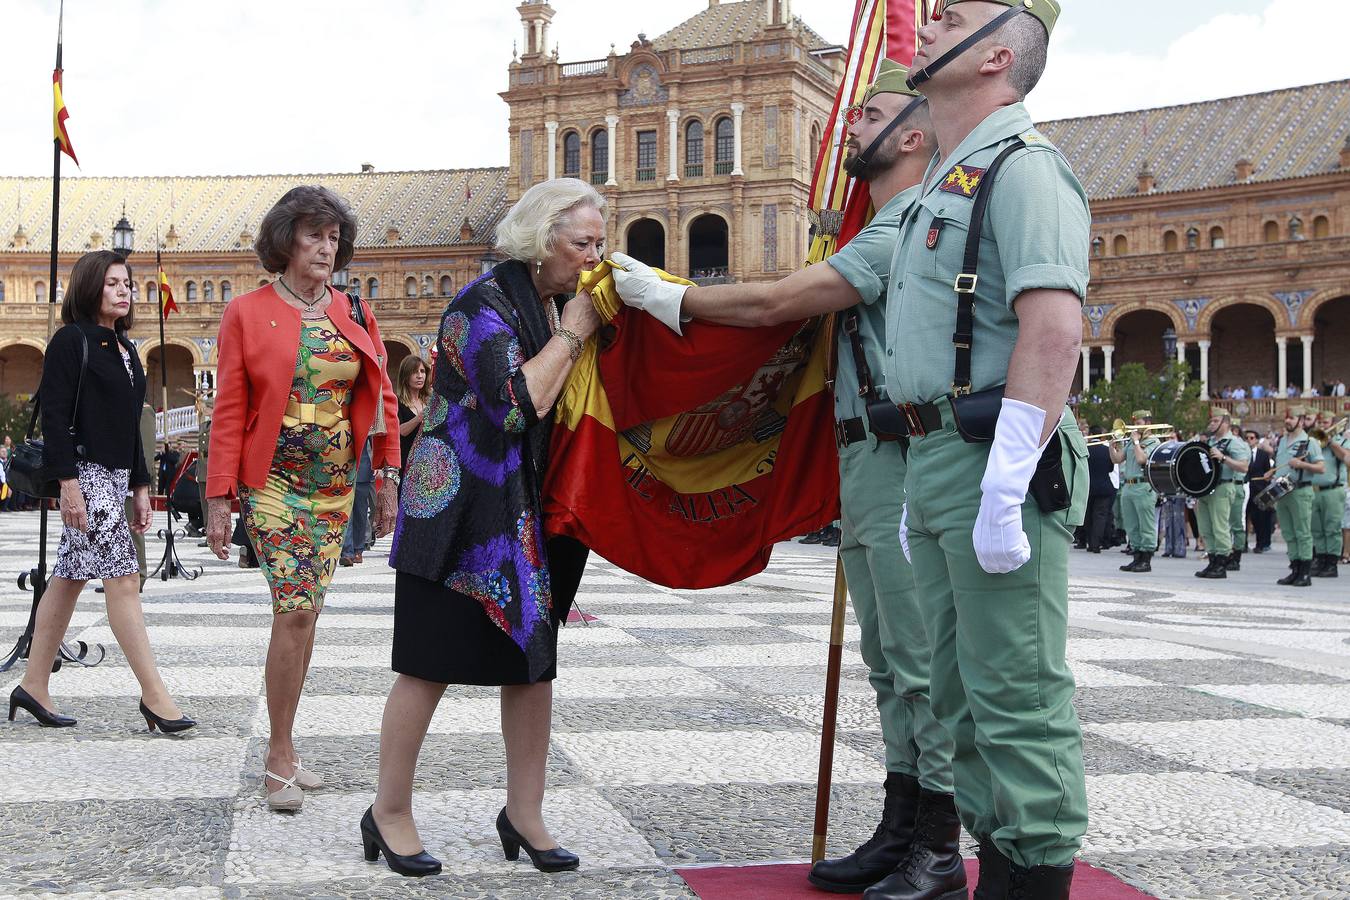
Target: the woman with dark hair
(92, 378)
(299, 376)
(481, 590)
(414, 389)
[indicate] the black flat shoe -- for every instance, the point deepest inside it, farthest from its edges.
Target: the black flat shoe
(21, 699)
(168, 726)
(415, 865)
(554, 860)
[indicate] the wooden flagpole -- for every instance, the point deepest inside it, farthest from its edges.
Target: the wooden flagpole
(825, 773)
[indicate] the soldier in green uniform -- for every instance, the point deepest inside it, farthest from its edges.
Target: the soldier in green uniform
(1138, 500)
(914, 851)
(1298, 457)
(1214, 512)
(1238, 516)
(983, 327)
(1329, 499)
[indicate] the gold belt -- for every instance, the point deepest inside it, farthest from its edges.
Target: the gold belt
(326, 415)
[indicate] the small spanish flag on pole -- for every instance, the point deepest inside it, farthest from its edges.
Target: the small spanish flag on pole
(59, 111)
(166, 303)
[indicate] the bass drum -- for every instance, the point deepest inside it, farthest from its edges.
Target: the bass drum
(1182, 468)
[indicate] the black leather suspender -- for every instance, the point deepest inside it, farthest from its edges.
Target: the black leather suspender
(964, 336)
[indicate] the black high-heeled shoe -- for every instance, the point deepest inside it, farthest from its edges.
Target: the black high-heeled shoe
(168, 726)
(556, 859)
(416, 865)
(21, 699)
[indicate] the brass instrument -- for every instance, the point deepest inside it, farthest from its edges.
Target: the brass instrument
(1321, 436)
(1120, 432)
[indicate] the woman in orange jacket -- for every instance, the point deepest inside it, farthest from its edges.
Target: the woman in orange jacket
(300, 385)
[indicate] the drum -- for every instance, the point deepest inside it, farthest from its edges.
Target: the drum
(1182, 468)
(1279, 486)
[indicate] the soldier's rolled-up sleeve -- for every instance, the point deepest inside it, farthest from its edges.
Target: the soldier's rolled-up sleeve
(1040, 219)
(865, 261)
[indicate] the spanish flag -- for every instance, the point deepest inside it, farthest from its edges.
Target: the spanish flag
(684, 459)
(59, 116)
(166, 304)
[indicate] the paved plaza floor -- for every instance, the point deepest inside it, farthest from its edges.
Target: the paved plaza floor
(1216, 719)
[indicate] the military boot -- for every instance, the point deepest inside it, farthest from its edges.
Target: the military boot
(1293, 573)
(1233, 563)
(933, 868)
(1001, 879)
(1302, 574)
(1330, 562)
(1215, 569)
(880, 854)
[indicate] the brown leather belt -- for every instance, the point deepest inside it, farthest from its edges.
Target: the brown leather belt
(1134, 480)
(850, 431)
(920, 418)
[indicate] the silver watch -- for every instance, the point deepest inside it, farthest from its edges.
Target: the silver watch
(391, 474)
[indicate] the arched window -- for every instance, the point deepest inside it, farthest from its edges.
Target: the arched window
(447, 285)
(1170, 241)
(724, 146)
(599, 156)
(208, 291)
(1321, 227)
(814, 149)
(410, 286)
(40, 291)
(428, 286)
(1271, 232)
(2, 292)
(191, 291)
(152, 291)
(1216, 238)
(571, 154)
(693, 149)
(226, 292)
(372, 288)
(1120, 246)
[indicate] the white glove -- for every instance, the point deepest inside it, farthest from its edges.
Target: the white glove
(641, 288)
(904, 530)
(1000, 544)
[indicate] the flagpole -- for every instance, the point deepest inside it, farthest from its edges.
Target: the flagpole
(829, 716)
(163, 353)
(56, 194)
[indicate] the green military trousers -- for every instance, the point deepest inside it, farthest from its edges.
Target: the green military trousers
(1238, 518)
(999, 682)
(1214, 515)
(1327, 509)
(894, 644)
(1139, 507)
(1294, 511)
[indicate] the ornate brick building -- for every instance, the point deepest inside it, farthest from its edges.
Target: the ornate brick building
(1223, 225)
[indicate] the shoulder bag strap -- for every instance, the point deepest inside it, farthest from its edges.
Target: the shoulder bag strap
(964, 336)
(79, 387)
(358, 311)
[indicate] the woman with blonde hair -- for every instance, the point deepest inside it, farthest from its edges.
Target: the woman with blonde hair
(481, 590)
(413, 389)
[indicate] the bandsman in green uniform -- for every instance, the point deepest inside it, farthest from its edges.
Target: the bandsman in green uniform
(1329, 498)
(983, 327)
(1138, 499)
(914, 851)
(1238, 517)
(1214, 512)
(1297, 457)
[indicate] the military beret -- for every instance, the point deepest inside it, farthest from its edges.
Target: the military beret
(1141, 414)
(1045, 10)
(890, 80)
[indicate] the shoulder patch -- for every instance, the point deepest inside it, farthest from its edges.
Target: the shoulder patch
(962, 180)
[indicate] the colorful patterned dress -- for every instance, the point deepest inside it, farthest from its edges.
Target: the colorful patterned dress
(298, 519)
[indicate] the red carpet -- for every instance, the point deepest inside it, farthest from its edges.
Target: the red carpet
(788, 882)
(573, 615)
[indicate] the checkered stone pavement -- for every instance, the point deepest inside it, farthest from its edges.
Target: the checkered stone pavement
(1216, 729)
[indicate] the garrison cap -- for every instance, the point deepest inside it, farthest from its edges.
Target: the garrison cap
(890, 80)
(1219, 411)
(1299, 410)
(1045, 10)
(1236, 422)
(1142, 414)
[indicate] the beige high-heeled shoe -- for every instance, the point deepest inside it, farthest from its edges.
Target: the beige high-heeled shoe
(307, 779)
(289, 798)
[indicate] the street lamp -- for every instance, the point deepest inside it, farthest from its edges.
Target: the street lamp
(1169, 339)
(123, 235)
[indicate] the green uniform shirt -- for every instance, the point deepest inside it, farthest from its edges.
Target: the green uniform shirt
(865, 263)
(1237, 449)
(1131, 468)
(1334, 472)
(1288, 448)
(1036, 235)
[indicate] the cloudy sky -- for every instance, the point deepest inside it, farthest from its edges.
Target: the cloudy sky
(258, 86)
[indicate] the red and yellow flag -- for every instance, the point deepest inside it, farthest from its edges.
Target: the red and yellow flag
(166, 304)
(59, 116)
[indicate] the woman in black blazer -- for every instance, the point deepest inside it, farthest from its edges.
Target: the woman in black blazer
(96, 465)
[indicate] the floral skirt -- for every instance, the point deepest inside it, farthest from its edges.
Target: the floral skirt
(105, 550)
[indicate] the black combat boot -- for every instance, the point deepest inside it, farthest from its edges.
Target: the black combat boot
(1133, 564)
(995, 872)
(1293, 573)
(1000, 879)
(1319, 564)
(1302, 576)
(889, 844)
(1331, 561)
(1233, 563)
(1215, 569)
(933, 869)
(1144, 563)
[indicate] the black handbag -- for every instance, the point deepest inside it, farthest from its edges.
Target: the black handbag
(27, 470)
(359, 317)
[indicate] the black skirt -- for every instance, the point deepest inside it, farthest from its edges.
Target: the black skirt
(444, 636)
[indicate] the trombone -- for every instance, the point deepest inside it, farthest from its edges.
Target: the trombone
(1321, 436)
(1120, 432)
